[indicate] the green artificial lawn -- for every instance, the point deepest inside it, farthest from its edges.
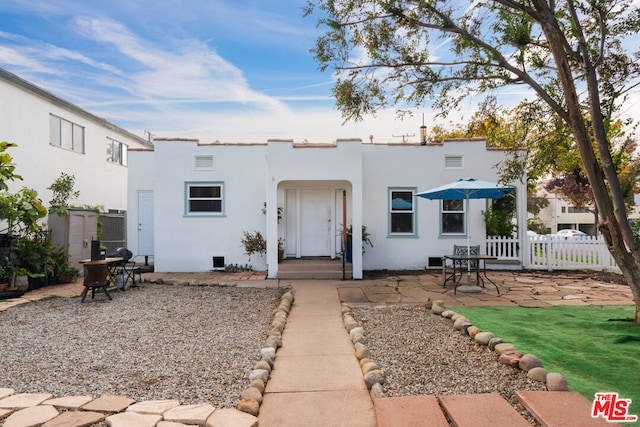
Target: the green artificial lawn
(597, 349)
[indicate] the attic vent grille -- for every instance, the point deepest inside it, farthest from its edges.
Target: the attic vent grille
(204, 162)
(453, 162)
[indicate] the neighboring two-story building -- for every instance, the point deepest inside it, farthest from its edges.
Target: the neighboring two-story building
(561, 214)
(54, 136)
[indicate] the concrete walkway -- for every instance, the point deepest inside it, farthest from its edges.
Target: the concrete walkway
(316, 380)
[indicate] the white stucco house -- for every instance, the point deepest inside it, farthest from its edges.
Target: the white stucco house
(54, 136)
(190, 202)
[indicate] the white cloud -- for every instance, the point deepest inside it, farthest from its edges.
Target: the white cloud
(14, 57)
(176, 69)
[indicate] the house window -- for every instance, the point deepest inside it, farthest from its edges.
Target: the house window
(452, 217)
(204, 198)
(401, 212)
(116, 152)
(66, 134)
(452, 162)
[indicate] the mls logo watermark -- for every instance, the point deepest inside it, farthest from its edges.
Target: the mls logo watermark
(612, 408)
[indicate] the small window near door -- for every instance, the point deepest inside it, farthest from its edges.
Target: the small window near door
(452, 217)
(204, 199)
(401, 212)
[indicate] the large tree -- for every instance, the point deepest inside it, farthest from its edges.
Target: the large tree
(571, 53)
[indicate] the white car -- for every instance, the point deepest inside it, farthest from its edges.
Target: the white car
(571, 234)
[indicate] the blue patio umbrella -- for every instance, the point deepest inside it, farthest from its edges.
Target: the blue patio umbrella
(465, 189)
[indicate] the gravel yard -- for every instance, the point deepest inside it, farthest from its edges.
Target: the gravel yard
(194, 344)
(421, 353)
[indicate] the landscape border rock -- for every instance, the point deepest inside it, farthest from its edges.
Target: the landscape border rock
(373, 375)
(506, 352)
(251, 397)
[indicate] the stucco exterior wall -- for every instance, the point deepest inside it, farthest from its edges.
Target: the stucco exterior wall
(188, 243)
(257, 173)
(25, 122)
(419, 168)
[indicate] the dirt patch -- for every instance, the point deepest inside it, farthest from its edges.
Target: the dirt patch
(609, 277)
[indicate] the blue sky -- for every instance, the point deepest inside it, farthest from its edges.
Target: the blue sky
(226, 70)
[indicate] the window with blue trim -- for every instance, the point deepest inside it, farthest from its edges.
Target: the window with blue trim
(204, 199)
(452, 217)
(401, 212)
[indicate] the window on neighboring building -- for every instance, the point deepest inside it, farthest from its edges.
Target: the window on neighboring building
(402, 212)
(66, 134)
(204, 198)
(573, 209)
(116, 152)
(452, 217)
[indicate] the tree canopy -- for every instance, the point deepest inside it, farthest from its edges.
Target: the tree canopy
(571, 55)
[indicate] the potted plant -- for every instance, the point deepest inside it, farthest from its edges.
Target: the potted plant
(253, 243)
(20, 279)
(36, 255)
(64, 273)
(280, 249)
(366, 239)
(4, 279)
(62, 190)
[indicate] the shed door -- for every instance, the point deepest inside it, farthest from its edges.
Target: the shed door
(145, 223)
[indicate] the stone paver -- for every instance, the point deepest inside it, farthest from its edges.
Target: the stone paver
(24, 400)
(155, 407)
(231, 418)
(190, 414)
(133, 419)
(481, 410)
(31, 416)
(335, 408)
(409, 411)
(109, 404)
(68, 402)
(5, 413)
(75, 419)
(560, 408)
(4, 392)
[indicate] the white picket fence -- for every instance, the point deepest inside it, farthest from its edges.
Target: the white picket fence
(554, 253)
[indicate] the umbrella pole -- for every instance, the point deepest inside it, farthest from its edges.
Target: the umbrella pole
(466, 216)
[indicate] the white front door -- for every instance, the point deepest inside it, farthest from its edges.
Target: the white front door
(315, 222)
(145, 223)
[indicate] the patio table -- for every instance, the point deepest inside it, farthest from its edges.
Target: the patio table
(478, 263)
